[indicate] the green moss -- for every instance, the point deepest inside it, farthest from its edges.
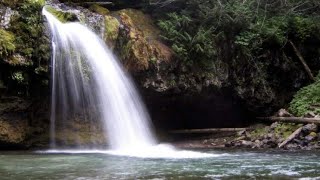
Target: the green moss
(259, 132)
(99, 9)
(111, 28)
(7, 45)
(62, 16)
(284, 130)
(306, 99)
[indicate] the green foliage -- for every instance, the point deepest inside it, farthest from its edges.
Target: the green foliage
(18, 77)
(303, 28)
(250, 38)
(7, 45)
(306, 99)
(29, 31)
(29, 49)
(197, 31)
(187, 45)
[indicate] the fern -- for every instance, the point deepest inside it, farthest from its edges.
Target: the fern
(306, 99)
(7, 45)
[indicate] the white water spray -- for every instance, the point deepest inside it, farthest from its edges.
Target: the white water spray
(86, 74)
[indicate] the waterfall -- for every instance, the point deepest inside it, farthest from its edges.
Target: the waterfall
(86, 75)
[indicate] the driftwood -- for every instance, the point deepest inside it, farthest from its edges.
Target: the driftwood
(306, 67)
(292, 136)
(211, 130)
(291, 119)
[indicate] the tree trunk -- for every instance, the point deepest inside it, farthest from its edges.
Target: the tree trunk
(211, 130)
(306, 67)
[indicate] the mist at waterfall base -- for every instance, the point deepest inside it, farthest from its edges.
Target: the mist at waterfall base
(85, 74)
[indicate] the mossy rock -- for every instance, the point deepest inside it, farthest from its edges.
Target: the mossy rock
(12, 132)
(136, 50)
(80, 132)
(111, 30)
(138, 44)
(143, 21)
(61, 15)
(99, 9)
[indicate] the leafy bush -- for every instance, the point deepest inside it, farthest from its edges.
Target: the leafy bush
(188, 46)
(306, 99)
(27, 49)
(7, 45)
(29, 32)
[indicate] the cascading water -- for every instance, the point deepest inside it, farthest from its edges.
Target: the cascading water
(85, 75)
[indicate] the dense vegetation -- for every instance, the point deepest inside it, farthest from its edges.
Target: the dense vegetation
(24, 49)
(252, 39)
(306, 100)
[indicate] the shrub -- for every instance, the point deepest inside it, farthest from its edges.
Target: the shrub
(306, 99)
(7, 45)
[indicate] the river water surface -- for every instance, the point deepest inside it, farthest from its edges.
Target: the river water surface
(226, 165)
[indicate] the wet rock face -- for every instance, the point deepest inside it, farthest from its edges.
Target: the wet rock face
(25, 124)
(14, 125)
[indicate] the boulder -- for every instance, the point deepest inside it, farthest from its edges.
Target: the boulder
(308, 128)
(247, 144)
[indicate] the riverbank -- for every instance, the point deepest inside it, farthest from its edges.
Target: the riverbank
(288, 136)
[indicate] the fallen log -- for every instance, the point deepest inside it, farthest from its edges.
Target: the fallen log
(303, 62)
(292, 136)
(291, 119)
(211, 130)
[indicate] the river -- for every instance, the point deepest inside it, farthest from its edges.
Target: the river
(237, 164)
